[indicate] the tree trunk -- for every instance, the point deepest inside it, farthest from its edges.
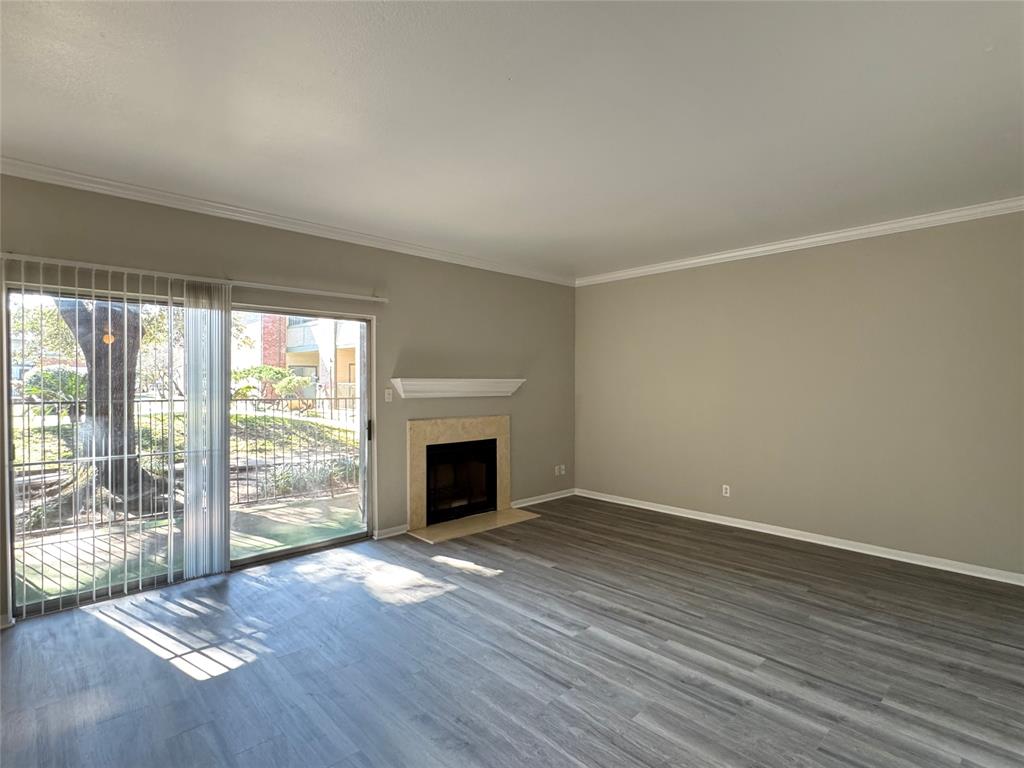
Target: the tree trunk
(108, 335)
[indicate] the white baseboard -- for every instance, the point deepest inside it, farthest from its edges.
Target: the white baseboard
(387, 533)
(954, 566)
(542, 498)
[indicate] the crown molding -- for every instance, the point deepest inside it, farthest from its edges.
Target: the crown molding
(36, 172)
(44, 173)
(952, 216)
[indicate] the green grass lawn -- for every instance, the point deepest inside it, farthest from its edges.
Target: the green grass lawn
(249, 435)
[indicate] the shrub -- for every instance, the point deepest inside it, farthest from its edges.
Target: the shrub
(54, 385)
(316, 477)
(282, 381)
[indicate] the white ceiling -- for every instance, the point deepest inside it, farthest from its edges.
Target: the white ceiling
(561, 140)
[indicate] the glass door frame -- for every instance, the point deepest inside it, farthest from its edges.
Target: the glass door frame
(368, 444)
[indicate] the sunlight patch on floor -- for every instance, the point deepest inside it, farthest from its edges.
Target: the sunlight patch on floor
(385, 582)
(466, 565)
(199, 651)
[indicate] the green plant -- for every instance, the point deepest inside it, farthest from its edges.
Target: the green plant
(282, 381)
(265, 374)
(316, 477)
(56, 384)
(245, 392)
(291, 385)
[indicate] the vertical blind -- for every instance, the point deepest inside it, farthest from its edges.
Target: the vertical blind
(207, 339)
(118, 397)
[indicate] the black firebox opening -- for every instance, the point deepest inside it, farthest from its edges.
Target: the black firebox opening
(462, 479)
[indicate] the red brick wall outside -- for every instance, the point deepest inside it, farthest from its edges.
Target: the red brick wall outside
(274, 340)
(273, 345)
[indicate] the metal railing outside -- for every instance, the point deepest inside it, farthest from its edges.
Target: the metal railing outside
(282, 448)
(72, 531)
(278, 448)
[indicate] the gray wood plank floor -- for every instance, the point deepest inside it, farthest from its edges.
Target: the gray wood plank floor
(596, 635)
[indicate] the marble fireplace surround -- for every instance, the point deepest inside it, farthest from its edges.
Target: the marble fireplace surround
(424, 432)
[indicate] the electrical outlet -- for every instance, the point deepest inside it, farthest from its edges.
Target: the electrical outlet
(726, 490)
(389, 395)
(559, 469)
(562, 466)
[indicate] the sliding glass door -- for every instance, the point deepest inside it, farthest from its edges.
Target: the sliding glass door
(154, 435)
(299, 417)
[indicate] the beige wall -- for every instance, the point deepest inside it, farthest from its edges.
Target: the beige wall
(870, 390)
(344, 357)
(442, 320)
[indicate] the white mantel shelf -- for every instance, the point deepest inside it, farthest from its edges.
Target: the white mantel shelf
(411, 388)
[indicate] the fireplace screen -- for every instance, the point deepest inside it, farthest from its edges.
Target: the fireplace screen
(462, 479)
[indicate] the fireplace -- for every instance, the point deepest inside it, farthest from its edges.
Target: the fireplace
(459, 434)
(462, 479)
